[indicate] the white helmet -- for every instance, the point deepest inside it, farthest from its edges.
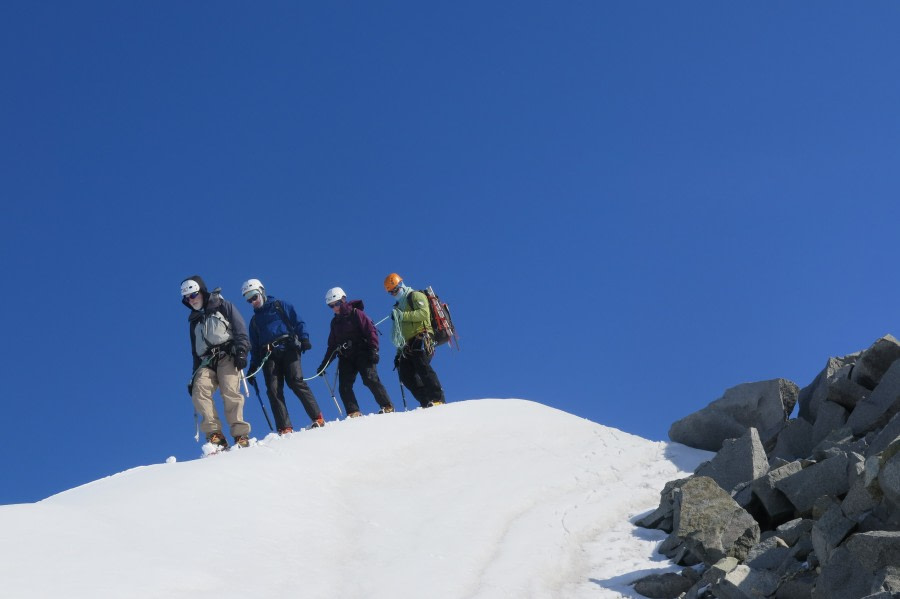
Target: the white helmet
(334, 294)
(189, 286)
(252, 286)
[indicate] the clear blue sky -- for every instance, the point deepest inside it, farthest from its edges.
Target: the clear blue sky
(629, 206)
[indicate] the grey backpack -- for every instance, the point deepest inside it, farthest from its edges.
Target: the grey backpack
(211, 331)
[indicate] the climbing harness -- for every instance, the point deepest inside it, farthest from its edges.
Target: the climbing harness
(422, 342)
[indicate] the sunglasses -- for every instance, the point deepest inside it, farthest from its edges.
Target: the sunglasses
(193, 295)
(250, 300)
(395, 290)
(334, 304)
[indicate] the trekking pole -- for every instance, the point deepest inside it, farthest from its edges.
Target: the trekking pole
(259, 397)
(331, 388)
(334, 385)
(382, 320)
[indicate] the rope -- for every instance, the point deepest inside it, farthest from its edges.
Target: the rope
(330, 358)
(327, 362)
(266, 357)
(396, 336)
(203, 363)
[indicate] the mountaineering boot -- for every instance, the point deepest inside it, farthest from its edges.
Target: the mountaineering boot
(285, 430)
(386, 410)
(317, 423)
(356, 414)
(217, 438)
(431, 404)
(242, 441)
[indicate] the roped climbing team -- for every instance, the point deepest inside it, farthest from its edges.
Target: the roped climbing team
(221, 346)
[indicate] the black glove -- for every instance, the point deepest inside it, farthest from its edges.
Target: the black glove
(240, 359)
(305, 345)
(191, 389)
(373, 356)
(322, 367)
(252, 381)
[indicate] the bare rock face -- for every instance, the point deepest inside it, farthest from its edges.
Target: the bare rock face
(663, 586)
(855, 567)
(788, 509)
(825, 478)
(712, 525)
(764, 406)
(738, 461)
(878, 408)
(816, 393)
(875, 361)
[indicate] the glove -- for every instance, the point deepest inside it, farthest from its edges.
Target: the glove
(240, 359)
(191, 389)
(322, 367)
(252, 378)
(305, 345)
(373, 356)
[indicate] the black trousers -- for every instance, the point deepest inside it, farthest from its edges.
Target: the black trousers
(348, 368)
(284, 367)
(417, 375)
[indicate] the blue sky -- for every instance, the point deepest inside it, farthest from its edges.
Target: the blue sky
(630, 207)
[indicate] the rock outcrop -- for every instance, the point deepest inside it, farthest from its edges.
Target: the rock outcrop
(764, 406)
(790, 508)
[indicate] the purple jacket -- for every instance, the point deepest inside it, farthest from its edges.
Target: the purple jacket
(353, 325)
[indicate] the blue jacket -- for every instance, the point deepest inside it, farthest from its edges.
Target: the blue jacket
(267, 325)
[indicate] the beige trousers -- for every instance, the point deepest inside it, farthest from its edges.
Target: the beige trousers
(228, 380)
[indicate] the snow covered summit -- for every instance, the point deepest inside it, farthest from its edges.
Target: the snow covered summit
(477, 499)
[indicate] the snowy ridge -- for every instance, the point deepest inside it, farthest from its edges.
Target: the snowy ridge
(478, 499)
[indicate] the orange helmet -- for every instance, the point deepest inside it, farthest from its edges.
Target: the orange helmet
(391, 282)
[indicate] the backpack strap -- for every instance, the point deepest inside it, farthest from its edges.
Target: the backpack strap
(409, 303)
(280, 309)
(359, 325)
(255, 326)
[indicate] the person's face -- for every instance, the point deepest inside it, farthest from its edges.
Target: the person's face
(336, 306)
(195, 300)
(255, 300)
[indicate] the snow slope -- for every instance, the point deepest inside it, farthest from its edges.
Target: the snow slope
(478, 499)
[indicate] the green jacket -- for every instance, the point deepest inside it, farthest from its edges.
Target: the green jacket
(414, 319)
